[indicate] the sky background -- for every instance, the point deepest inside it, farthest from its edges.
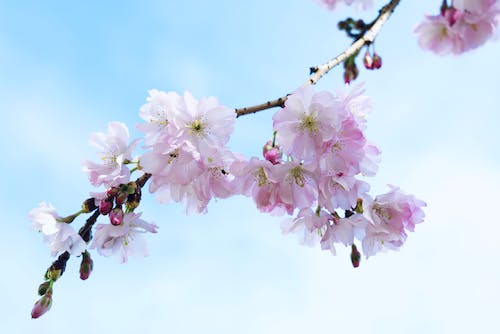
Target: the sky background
(67, 68)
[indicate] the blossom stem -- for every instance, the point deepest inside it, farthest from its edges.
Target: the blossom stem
(84, 232)
(319, 71)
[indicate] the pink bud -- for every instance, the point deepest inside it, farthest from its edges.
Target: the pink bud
(272, 153)
(452, 15)
(42, 306)
(368, 60)
(105, 207)
(86, 266)
(112, 191)
(377, 61)
(355, 256)
(116, 216)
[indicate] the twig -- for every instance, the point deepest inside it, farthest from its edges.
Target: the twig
(319, 71)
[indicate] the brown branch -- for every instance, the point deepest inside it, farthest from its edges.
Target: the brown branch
(319, 71)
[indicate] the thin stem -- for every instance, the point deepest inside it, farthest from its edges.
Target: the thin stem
(317, 72)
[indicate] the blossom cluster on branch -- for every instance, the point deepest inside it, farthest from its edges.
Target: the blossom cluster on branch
(462, 26)
(313, 168)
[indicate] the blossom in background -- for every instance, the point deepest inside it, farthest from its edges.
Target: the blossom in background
(464, 26)
(60, 236)
(125, 239)
(332, 4)
(114, 153)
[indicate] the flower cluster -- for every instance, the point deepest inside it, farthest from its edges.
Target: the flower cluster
(326, 151)
(187, 157)
(463, 26)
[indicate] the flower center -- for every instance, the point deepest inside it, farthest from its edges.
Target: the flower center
(261, 177)
(308, 123)
(296, 175)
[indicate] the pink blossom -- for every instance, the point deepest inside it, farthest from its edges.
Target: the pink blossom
(344, 231)
(60, 236)
(391, 215)
(297, 186)
(204, 124)
(344, 153)
(436, 34)
(380, 238)
(308, 225)
(307, 121)
(114, 153)
(474, 6)
(397, 209)
(257, 178)
(125, 239)
(166, 165)
(158, 114)
(463, 27)
(477, 28)
(341, 191)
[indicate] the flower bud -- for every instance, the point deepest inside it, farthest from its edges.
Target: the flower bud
(42, 306)
(86, 266)
(121, 197)
(368, 60)
(377, 61)
(272, 153)
(105, 207)
(359, 206)
(351, 71)
(89, 205)
(116, 216)
(43, 288)
(355, 256)
(111, 192)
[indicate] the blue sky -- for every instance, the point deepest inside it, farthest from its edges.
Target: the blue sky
(68, 68)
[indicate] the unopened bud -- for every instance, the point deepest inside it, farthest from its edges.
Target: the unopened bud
(359, 206)
(105, 207)
(377, 61)
(89, 205)
(116, 216)
(272, 153)
(112, 191)
(86, 266)
(43, 288)
(42, 306)
(355, 256)
(121, 197)
(368, 60)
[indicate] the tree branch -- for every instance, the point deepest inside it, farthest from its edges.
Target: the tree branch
(319, 71)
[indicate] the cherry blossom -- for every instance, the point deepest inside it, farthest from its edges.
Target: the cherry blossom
(125, 239)
(391, 216)
(115, 152)
(464, 26)
(307, 121)
(59, 235)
